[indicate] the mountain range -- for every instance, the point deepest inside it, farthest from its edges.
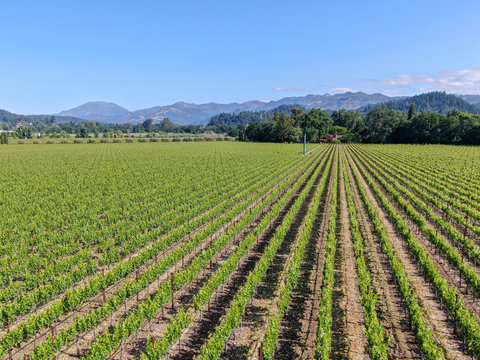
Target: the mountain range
(194, 114)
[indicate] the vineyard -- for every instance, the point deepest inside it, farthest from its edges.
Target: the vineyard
(228, 250)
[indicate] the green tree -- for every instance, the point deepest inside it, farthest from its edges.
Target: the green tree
(468, 125)
(148, 125)
(424, 128)
(381, 123)
(338, 130)
(298, 116)
(349, 119)
(83, 133)
(24, 132)
(285, 130)
(166, 125)
(318, 122)
(412, 112)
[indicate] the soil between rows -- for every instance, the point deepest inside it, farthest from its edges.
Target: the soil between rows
(197, 334)
(437, 317)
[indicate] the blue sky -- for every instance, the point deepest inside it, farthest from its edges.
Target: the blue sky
(55, 55)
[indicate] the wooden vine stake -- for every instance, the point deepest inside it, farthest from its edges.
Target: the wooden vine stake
(173, 289)
(455, 323)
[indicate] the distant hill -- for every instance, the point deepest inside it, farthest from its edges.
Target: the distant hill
(13, 119)
(97, 111)
(472, 99)
(193, 114)
(436, 101)
(189, 114)
(348, 100)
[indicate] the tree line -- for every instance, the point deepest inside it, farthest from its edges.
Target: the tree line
(385, 125)
(380, 125)
(288, 124)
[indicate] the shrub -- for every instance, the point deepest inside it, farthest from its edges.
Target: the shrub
(64, 142)
(104, 140)
(142, 140)
(117, 140)
(50, 142)
(166, 140)
(153, 140)
(198, 139)
(21, 142)
(37, 142)
(91, 141)
(78, 141)
(177, 139)
(187, 139)
(129, 140)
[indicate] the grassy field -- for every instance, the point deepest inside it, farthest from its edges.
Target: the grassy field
(206, 250)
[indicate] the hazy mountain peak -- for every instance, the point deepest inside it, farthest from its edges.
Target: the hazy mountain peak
(96, 110)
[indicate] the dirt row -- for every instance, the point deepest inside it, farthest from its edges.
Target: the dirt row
(451, 273)
(436, 315)
(448, 185)
(84, 340)
(137, 343)
(89, 337)
(197, 334)
(349, 339)
(246, 340)
(298, 330)
(300, 321)
(299, 325)
(106, 268)
(461, 229)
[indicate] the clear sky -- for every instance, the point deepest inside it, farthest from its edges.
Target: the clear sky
(55, 55)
